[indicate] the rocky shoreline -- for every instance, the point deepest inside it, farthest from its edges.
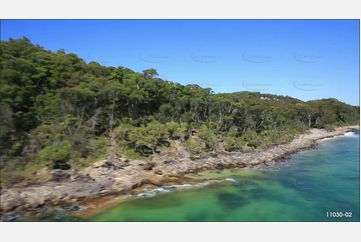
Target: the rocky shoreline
(106, 182)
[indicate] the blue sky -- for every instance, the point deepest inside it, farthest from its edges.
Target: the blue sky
(306, 59)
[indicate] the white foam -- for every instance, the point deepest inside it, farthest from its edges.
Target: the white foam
(325, 139)
(350, 134)
(184, 186)
(163, 189)
(347, 134)
(202, 184)
(230, 179)
(147, 194)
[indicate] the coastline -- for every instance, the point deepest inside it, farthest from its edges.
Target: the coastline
(107, 184)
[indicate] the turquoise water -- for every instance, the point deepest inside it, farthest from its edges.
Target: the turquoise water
(305, 188)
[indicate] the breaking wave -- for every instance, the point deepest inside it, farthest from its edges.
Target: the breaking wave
(164, 189)
(350, 134)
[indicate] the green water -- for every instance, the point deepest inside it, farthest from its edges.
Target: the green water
(311, 184)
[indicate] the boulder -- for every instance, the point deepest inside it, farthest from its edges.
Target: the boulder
(87, 189)
(81, 177)
(20, 209)
(11, 217)
(33, 200)
(219, 166)
(60, 176)
(149, 166)
(122, 186)
(158, 172)
(8, 205)
(34, 205)
(152, 180)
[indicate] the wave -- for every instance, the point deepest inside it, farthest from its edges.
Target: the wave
(325, 139)
(351, 134)
(347, 134)
(153, 192)
(230, 179)
(164, 189)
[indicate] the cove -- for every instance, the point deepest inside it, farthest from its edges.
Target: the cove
(307, 187)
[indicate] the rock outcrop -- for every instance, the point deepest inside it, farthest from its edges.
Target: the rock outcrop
(70, 188)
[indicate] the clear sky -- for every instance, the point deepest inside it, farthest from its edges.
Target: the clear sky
(306, 59)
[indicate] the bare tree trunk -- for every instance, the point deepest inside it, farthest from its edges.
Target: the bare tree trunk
(112, 143)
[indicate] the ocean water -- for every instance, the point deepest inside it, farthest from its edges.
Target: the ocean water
(312, 186)
(318, 185)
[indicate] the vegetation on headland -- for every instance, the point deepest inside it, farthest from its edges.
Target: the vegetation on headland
(58, 112)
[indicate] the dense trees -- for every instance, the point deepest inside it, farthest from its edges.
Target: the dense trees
(56, 108)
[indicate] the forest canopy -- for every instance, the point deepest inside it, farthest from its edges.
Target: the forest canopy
(56, 108)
